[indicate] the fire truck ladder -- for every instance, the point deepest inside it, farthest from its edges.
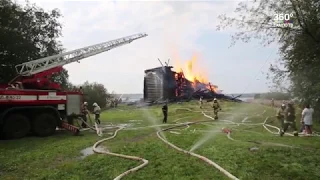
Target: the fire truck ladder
(43, 64)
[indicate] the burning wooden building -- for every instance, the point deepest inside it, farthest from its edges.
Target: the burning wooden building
(162, 83)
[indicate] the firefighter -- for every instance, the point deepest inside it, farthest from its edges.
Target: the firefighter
(216, 107)
(289, 119)
(165, 112)
(280, 115)
(85, 113)
(201, 102)
(96, 111)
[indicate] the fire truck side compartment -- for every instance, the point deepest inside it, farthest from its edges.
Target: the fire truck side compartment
(73, 104)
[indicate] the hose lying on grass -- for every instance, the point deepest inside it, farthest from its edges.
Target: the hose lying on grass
(96, 150)
(225, 172)
(265, 125)
(145, 162)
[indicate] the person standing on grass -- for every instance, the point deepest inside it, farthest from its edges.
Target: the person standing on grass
(306, 119)
(96, 111)
(165, 112)
(280, 116)
(289, 119)
(216, 107)
(201, 102)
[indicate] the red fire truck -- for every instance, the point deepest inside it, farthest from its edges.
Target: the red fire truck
(32, 103)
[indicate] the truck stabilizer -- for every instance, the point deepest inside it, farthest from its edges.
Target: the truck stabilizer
(70, 128)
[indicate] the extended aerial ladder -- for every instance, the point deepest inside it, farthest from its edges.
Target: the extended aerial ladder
(36, 74)
(32, 102)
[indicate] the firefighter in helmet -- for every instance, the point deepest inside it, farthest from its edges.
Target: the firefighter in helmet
(289, 119)
(216, 107)
(280, 116)
(201, 102)
(96, 111)
(84, 114)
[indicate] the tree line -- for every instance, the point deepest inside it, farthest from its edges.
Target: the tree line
(273, 95)
(28, 32)
(297, 72)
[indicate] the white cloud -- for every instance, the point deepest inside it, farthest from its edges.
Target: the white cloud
(173, 27)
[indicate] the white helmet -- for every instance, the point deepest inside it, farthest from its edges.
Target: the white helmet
(85, 103)
(94, 104)
(215, 99)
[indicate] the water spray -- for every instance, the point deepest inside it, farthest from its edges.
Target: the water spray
(211, 133)
(161, 136)
(152, 119)
(210, 162)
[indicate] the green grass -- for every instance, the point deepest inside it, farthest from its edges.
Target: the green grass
(58, 157)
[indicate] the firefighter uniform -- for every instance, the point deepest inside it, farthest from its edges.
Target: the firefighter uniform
(200, 102)
(280, 116)
(216, 108)
(289, 120)
(84, 114)
(165, 112)
(96, 111)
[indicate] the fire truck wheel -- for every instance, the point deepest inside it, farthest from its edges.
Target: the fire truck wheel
(16, 126)
(44, 125)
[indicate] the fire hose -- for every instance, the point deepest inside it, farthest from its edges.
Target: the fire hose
(264, 125)
(145, 162)
(96, 150)
(225, 172)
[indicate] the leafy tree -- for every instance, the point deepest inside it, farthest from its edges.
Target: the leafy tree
(95, 92)
(27, 33)
(299, 44)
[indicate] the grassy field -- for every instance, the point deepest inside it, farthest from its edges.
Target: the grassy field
(59, 157)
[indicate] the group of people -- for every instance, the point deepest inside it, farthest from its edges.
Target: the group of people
(85, 112)
(287, 116)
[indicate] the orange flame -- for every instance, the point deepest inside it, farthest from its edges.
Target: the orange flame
(191, 70)
(194, 73)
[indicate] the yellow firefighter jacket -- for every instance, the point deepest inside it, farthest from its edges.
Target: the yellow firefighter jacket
(216, 105)
(280, 113)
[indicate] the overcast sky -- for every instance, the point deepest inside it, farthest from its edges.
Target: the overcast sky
(176, 30)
